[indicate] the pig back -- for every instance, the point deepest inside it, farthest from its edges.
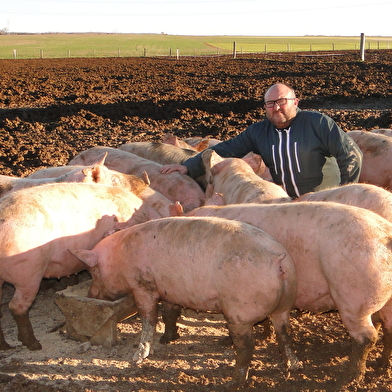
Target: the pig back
(44, 221)
(203, 263)
(159, 152)
(175, 186)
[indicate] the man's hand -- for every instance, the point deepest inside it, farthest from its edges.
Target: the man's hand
(167, 169)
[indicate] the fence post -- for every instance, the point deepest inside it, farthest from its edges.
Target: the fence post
(178, 54)
(14, 53)
(362, 50)
(234, 50)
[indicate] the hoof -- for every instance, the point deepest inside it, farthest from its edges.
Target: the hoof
(165, 339)
(35, 346)
(5, 346)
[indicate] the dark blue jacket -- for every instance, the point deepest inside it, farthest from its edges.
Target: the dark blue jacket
(294, 156)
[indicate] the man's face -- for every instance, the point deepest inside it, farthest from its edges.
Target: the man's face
(281, 116)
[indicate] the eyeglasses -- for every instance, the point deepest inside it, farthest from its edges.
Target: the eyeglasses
(280, 102)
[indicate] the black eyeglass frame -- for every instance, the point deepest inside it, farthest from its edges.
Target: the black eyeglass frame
(271, 104)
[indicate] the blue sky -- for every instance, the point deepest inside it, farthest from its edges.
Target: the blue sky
(204, 17)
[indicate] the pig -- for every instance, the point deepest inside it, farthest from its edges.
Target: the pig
(377, 157)
(199, 144)
(39, 224)
(159, 152)
(100, 174)
(174, 186)
(95, 173)
(55, 171)
(343, 258)
(238, 183)
(228, 267)
(371, 197)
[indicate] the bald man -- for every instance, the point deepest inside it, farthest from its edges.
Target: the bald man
(304, 150)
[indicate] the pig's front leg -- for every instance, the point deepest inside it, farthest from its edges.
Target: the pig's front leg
(149, 316)
(20, 305)
(170, 314)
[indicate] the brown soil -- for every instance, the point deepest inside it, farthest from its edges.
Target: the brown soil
(52, 109)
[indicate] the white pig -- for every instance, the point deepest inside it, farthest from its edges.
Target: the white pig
(238, 183)
(228, 267)
(39, 224)
(377, 157)
(343, 258)
(174, 186)
(371, 197)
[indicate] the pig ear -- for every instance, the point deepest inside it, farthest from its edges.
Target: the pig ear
(102, 160)
(176, 209)
(210, 158)
(88, 257)
(146, 178)
(202, 145)
(253, 160)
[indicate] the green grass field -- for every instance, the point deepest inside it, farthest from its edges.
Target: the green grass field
(25, 46)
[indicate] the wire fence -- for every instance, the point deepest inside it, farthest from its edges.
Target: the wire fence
(235, 49)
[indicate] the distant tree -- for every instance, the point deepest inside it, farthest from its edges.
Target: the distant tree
(4, 31)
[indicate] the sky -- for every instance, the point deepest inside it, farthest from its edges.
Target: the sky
(200, 17)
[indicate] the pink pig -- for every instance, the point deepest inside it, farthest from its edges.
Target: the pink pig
(159, 152)
(238, 183)
(39, 224)
(377, 157)
(343, 258)
(228, 267)
(100, 174)
(174, 186)
(371, 197)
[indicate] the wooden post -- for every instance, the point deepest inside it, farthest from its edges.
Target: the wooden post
(69, 53)
(234, 50)
(14, 53)
(362, 50)
(41, 53)
(178, 54)
(288, 48)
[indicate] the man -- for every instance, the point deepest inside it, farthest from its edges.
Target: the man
(294, 144)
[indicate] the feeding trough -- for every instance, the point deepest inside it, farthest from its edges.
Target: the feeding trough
(90, 319)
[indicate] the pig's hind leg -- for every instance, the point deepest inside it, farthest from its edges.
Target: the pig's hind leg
(281, 322)
(243, 340)
(363, 336)
(385, 316)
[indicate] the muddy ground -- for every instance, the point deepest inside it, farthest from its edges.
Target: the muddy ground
(51, 109)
